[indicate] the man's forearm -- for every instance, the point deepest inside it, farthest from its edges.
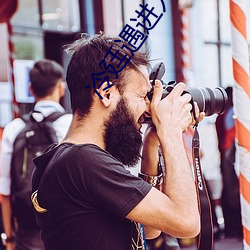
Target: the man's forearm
(7, 215)
(179, 183)
(149, 166)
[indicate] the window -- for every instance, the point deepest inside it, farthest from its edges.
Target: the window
(33, 17)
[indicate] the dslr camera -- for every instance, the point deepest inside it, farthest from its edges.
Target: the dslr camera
(210, 101)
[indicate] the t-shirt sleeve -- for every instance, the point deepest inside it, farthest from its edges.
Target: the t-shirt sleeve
(107, 183)
(10, 133)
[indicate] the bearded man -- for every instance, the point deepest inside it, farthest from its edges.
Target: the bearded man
(84, 196)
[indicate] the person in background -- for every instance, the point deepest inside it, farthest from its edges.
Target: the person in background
(225, 125)
(210, 162)
(48, 86)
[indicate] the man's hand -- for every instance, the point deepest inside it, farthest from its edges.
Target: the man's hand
(175, 209)
(199, 115)
(171, 115)
(150, 152)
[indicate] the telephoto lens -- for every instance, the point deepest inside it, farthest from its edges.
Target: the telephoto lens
(210, 101)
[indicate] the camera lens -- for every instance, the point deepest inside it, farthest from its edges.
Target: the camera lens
(210, 101)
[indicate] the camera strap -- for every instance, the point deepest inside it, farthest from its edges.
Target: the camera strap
(205, 238)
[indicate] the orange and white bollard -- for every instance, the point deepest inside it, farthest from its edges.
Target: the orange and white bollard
(185, 55)
(241, 95)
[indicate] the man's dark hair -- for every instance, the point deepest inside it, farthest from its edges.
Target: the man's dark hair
(44, 76)
(87, 53)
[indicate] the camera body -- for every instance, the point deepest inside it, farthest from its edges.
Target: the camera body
(210, 101)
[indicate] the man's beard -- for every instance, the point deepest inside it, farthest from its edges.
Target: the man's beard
(122, 138)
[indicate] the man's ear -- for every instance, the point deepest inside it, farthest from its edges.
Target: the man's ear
(105, 93)
(62, 88)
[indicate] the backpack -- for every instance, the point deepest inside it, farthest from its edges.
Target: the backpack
(37, 135)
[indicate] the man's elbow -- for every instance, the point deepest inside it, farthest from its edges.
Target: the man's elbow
(191, 227)
(187, 226)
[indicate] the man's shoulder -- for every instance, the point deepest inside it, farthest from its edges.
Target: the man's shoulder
(93, 154)
(90, 150)
(13, 128)
(18, 122)
(79, 156)
(80, 150)
(97, 159)
(86, 157)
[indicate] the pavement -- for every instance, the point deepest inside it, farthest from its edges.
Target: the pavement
(223, 244)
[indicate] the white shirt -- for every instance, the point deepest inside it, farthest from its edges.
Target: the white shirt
(11, 131)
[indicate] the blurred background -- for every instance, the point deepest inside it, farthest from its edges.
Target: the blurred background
(193, 39)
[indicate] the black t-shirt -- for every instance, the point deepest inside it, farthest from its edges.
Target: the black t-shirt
(88, 194)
